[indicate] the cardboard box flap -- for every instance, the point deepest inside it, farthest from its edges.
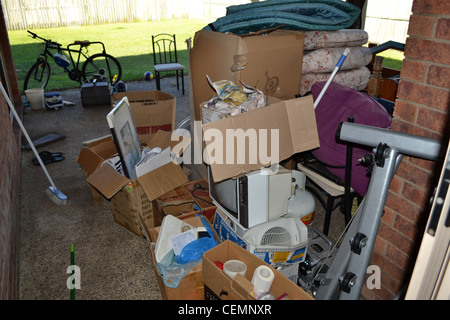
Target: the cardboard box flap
(290, 123)
(163, 139)
(242, 286)
(107, 180)
(89, 160)
(305, 137)
(168, 177)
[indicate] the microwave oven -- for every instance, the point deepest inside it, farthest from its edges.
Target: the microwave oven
(253, 198)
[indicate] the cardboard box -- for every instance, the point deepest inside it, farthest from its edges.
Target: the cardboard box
(240, 287)
(152, 111)
(129, 198)
(181, 200)
(191, 286)
(293, 120)
(270, 62)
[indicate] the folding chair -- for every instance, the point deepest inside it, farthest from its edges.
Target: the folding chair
(166, 60)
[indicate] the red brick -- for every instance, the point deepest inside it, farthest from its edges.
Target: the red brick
(396, 185)
(415, 175)
(394, 237)
(424, 94)
(383, 293)
(431, 6)
(442, 28)
(402, 126)
(429, 165)
(398, 257)
(405, 110)
(368, 294)
(388, 216)
(380, 245)
(427, 50)
(414, 70)
(386, 265)
(415, 194)
(391, 284)
(406, 227)
(432, 119)
(420, 25)
(439, 76)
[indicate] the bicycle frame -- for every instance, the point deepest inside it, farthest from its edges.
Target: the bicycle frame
(74, 55)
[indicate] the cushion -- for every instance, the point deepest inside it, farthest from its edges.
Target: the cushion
(325, 60)
(354, 78)
(337, 104)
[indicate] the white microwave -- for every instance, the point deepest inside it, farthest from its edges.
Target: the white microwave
(253, 198)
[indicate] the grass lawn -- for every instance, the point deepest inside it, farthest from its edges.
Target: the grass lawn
(392, 58)
(130, 43)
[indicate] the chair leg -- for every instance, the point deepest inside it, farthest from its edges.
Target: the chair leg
(182, 80)
(178, 81)
(157, 78)
(328, 212)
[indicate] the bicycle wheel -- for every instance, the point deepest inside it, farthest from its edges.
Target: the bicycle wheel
(103, 64)
(37, 76)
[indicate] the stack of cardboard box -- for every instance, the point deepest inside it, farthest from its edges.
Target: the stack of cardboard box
(271, 62)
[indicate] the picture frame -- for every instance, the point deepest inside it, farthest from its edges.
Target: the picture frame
(126, 138)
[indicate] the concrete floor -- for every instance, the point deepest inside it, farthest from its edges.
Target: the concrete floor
(114, 263)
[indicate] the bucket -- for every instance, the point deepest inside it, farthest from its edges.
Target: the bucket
(35, 98)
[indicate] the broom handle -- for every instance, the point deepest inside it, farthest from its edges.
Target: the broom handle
(26, 135)
(333, 74)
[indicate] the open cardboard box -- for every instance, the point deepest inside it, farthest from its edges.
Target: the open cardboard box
(152, 111)
(181, 200)
(191, 286)
(240, 287)
(270, 61)
(130, 197)
(293, 121)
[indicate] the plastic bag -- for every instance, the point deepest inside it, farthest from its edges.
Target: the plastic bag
(172, 272)
(174, 268)
(194, 250)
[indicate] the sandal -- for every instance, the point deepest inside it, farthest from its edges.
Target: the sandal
(48, 157)
(49, 154)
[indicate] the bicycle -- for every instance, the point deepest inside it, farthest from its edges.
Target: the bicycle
(101, 66)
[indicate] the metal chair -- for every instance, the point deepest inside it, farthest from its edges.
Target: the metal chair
(333, 188)
(166, 60)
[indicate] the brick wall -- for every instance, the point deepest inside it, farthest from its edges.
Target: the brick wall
(9, 172)
(422, 108)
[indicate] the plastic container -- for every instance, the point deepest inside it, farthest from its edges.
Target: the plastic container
(35, 98)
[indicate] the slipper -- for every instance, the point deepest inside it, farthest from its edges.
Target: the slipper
(50, 154)
(47, 159)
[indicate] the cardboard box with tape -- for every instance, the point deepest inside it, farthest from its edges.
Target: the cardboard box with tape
(130, 197)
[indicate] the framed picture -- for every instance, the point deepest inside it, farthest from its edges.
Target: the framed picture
(121, 123)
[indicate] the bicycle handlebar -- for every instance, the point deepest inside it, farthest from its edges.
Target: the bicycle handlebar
(47, 41)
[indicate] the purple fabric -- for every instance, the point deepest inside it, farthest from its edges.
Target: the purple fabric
(337, 104)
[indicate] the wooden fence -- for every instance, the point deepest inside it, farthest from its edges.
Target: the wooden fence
(387, 20)
(26, 14)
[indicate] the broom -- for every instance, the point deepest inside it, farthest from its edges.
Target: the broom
(52, 192)
(333, 74)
